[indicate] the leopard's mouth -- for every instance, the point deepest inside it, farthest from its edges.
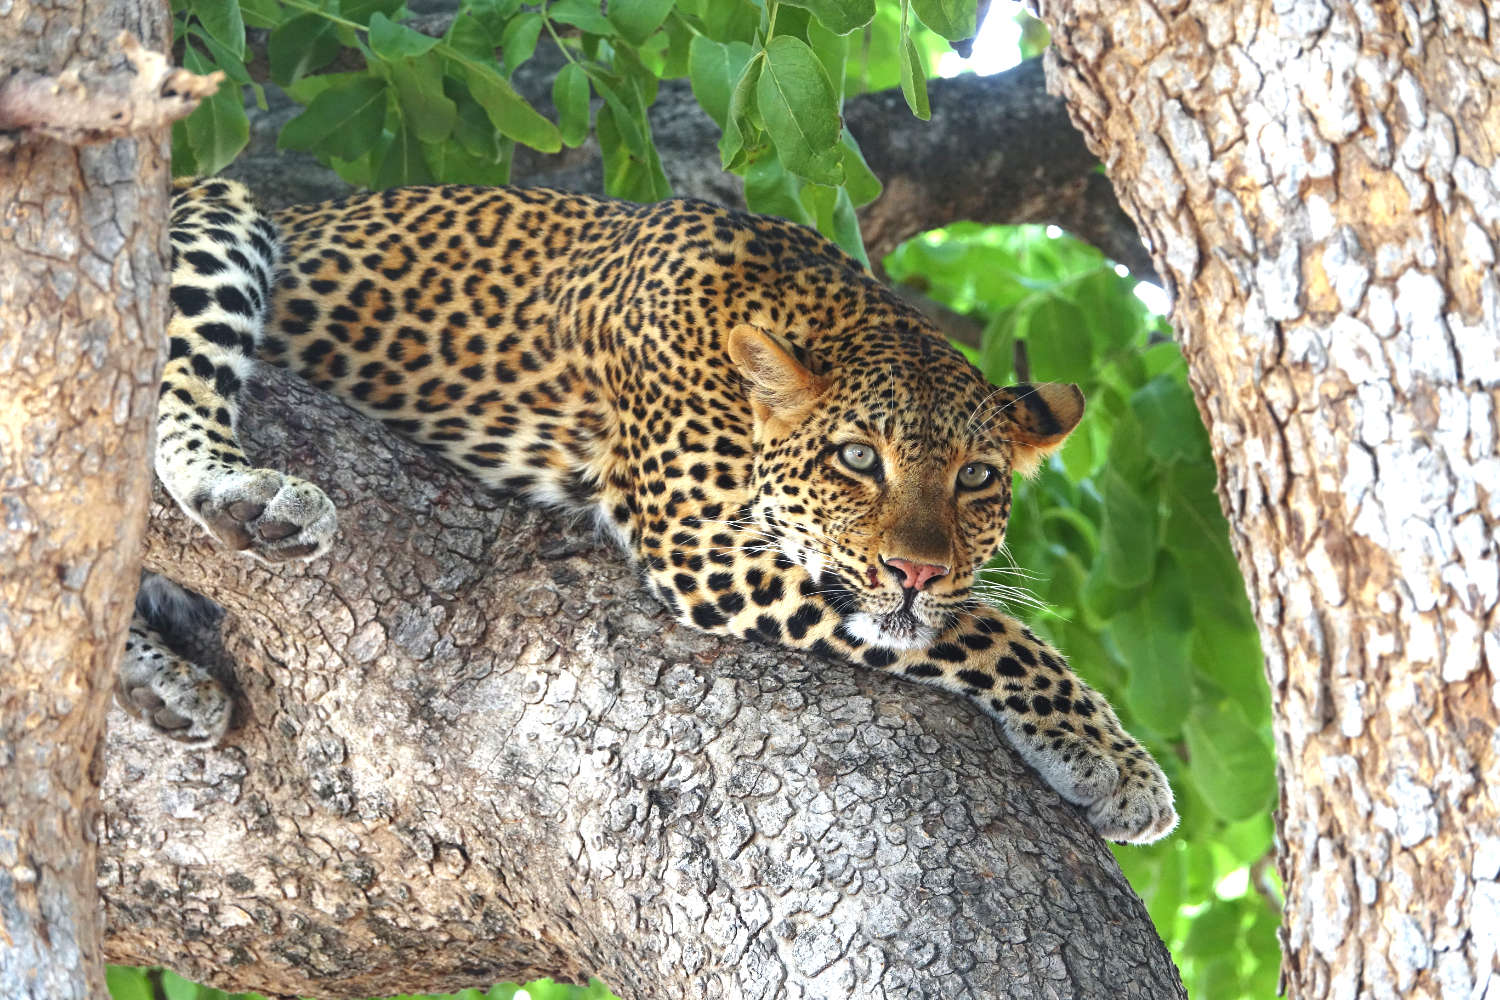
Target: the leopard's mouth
(900, 628)
(901, 625)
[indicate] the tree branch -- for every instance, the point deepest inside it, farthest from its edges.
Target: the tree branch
(474, 749)
(91, 103)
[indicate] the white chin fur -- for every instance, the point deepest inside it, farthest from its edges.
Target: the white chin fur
(866, 627)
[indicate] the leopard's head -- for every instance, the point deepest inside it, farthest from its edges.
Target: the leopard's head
(884, 469)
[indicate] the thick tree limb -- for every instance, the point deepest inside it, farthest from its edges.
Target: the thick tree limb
(474, 749)
(93, 103)
(998, 149)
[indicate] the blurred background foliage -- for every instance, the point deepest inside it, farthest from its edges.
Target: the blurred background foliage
(1117, 550)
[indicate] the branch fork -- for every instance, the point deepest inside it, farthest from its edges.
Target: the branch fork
(88, 104)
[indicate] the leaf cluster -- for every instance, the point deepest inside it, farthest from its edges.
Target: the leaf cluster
(421, 109)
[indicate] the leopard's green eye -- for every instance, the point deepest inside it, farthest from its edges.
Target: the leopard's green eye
(975, 475)
(859, 457)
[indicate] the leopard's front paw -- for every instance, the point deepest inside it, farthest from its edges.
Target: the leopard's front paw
(1124, 793)
(272, 516)
(172, 695)
(1139, 809)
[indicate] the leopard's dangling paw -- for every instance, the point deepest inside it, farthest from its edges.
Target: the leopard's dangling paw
(172, 695)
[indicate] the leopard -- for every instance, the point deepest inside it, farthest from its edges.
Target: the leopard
(788, 451)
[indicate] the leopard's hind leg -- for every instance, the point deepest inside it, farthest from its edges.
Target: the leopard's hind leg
(167, 691)
(224, 257)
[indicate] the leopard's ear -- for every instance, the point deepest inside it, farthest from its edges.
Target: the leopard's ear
(780, 385)
(1041, 415)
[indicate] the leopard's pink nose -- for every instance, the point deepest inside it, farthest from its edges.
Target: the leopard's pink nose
(916, 574)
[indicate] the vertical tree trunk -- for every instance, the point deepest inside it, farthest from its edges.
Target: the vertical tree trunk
(1320, 184)
(82, 310)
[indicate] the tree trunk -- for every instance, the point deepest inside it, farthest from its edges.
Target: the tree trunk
(1321, 186)
(82, 309)
(472, 748)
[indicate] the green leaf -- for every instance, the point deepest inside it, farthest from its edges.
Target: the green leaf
(859, 180)
(953, 19)
(260, 13)
(396, 41)
(800, 111)
(360, 11)
(401, 160)
(839, 16)
(469, 36)
(833, 52)
(835, 218)
(637, 20)
(1129, 536)
(343, 121)
(679, 35)
(223, 58)
(581, 14)
(914, 80)
(217, 129)
(184, 163)
(1159, 690)
(301, 46)
(518, 41)
(509, 112)
(1229, 761)
(177, 988)
(1174, 430)
(1057, 341)
(451, 163)
(473, 131)
(570, 96)
(126, 983)
(730, 20)
(626, 175)
(739, 122)
(713, 70)
(223, 21)
(493, 14)
(629, 122)
(427, 110)
(771, 190)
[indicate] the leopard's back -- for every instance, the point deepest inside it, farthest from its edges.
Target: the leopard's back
(536, 338)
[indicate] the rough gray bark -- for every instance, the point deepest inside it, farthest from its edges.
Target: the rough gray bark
(82, 309)
(1321, 182)
(474, 749)
(998, 149)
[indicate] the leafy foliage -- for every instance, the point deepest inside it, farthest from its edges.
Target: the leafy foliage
(424, 109)
(1134, 575)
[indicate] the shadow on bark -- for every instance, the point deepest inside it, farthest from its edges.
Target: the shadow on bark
(471, 748)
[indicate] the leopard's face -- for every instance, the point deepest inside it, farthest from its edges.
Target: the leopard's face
(889, 481)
